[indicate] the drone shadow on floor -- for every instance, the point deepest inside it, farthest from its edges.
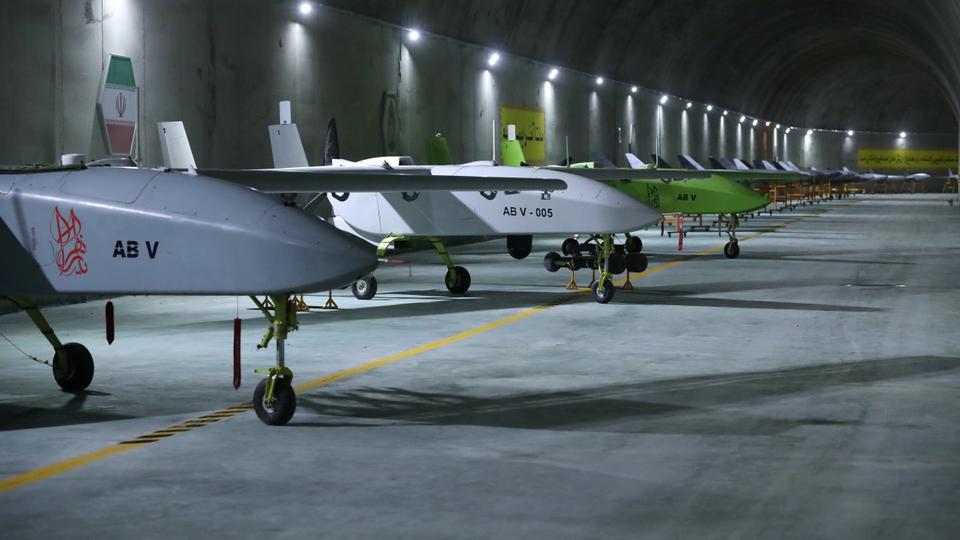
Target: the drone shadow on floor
(696, 405)
(16, 416)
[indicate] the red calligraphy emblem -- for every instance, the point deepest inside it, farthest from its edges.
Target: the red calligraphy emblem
(70, 245)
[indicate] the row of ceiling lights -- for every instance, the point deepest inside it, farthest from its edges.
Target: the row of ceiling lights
(554, 72)
(414, 35)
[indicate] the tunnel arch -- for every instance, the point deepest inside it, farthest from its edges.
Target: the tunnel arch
(879, 65)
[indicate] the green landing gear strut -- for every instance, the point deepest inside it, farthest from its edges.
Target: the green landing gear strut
(603, 288)
(732, 248)
(457, 278)
(274, 399)
(72, 363)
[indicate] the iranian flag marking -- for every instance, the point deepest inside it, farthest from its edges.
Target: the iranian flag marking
(118, 104)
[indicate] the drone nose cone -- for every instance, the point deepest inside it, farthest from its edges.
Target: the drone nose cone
(760, 199)
(627, 213)
(315, 256)
(648, 214)
(744, 199)
(353, 257)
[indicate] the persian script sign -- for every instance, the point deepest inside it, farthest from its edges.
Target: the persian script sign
(531, 131)
(916, 160)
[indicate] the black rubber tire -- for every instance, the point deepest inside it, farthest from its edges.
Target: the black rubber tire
(283, 407)
(457, 280)
(617, 264)
(570, 247)
(552, 261)
(77, 374)
(637, 262)
(633, 244)
(364, 288)
(519, 246)
(607, 295)
(731, 250)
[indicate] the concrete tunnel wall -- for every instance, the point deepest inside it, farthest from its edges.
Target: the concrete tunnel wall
(222, 68)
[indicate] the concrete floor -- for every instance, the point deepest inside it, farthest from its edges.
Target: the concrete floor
(807, 389)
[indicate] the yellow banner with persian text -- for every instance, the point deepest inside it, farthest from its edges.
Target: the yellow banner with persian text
(915, 160)
(531, 130)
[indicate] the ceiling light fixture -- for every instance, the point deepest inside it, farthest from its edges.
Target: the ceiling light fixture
(493, 59)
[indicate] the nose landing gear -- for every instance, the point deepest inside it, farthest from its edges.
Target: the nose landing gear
(274, 399)
(732, 248)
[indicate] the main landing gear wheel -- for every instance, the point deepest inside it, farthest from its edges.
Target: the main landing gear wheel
(633, 244)
(570, 247)
(364, 288)
(457, 280)
(731, 250)
(607, 295)
(75, 371)
(282, 407)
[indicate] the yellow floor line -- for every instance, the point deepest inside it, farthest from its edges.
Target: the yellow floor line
(70, 464)
(61, 467)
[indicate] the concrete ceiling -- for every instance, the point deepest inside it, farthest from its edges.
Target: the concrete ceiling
(882, 65)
